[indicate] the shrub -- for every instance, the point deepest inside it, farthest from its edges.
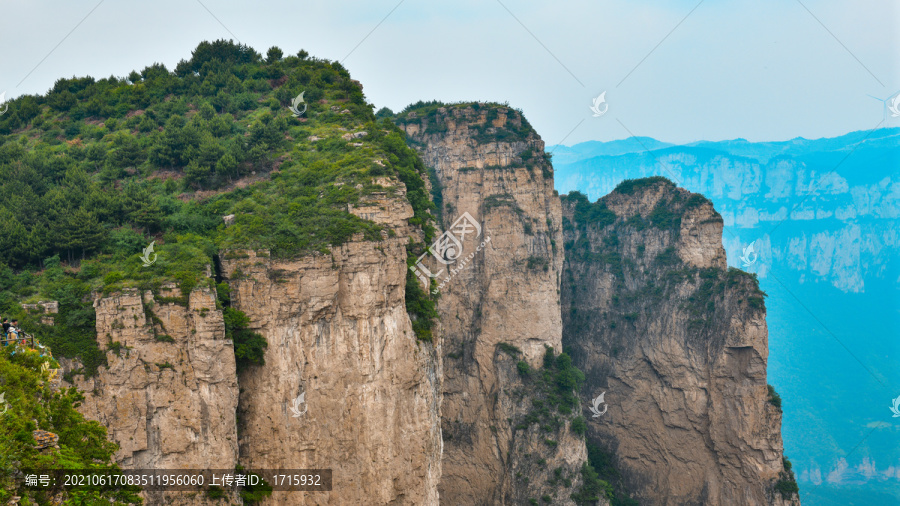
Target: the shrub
(523, 368)
(664, 218)
(593, 488)
(538, 263)
(774, 398)
(787, 483)
(590, 214)
(419, 306)
(249, 347)
(578, 425)
(629, 186)
(509, 349)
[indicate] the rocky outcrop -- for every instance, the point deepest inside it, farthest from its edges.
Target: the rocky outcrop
(503, 293)
(345, 385)
(169, 393)
(678, 344)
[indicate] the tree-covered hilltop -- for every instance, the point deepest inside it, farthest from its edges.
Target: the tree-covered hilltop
(96, 170)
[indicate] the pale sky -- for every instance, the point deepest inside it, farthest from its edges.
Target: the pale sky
(675, 70)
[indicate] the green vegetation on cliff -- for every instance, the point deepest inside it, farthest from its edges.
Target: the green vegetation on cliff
(98, 169)
(596, 236)
(552, 391)
(28, 403)
(483, 132)
(787, 483)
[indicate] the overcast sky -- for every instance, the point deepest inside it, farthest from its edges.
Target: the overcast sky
(676, 70)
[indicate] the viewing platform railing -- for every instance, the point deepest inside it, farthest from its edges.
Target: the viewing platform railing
(23, 339)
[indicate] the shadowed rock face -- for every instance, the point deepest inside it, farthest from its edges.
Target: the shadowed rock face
(491, 165)
(677, 342)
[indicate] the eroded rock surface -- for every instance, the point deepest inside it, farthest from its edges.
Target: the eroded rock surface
(677, 342)
(169, 394)
(491, 165)
(339, 335)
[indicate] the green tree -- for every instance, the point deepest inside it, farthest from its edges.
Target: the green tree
(141, 208)
(207, 111)
(84, 233)
(127, 151)
(274, 54)
(227, 166)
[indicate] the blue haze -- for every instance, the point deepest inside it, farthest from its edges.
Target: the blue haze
(823, 216)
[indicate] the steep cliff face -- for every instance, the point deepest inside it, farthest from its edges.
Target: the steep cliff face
(678, 344)
(169, 394)
(503, 294)
(339, 336)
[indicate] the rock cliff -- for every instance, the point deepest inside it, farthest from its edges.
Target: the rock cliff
(502, 295)
(169, 394)
(677, 343)
(634, 288)
(339, 335)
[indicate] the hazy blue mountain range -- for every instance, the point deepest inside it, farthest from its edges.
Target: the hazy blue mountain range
(822, 216)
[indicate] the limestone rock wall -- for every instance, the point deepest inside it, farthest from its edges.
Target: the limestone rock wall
(169, 394)
(679, 345)
(506, 292)
(339, 335)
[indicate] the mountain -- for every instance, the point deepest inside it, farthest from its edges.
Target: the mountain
(590, 149)
(241, 267)
(511, 293)
(821, 216)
